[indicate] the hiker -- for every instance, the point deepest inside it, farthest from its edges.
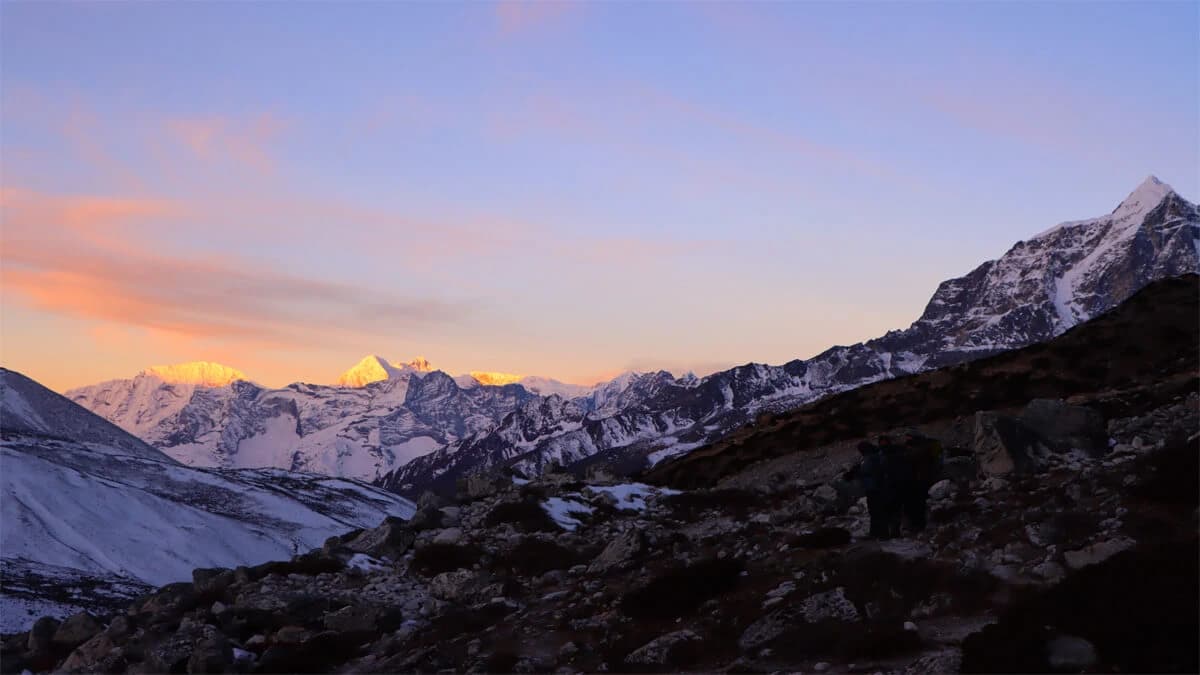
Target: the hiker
(897, 477)
(924, 457)
(870, 472)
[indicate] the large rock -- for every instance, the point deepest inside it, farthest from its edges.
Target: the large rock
(391, 539)
(1095, 553)
(212, 581)
(41, 636)
(626, 546)
(763, 631)
(1004, 445)
(672, 649)
(90, 656)
(76, 630)
(172, 654)
(829, 605)
(1064, 427)
(453, 586)
(1067, 653)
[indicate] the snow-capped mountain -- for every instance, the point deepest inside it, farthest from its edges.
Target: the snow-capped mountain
(88, 506)
(1038, 289)
(376, 369)
(379, 417)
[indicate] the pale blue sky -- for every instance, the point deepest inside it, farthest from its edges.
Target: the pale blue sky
(567, 189)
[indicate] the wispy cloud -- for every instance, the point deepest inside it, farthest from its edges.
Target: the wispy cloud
(245, 140)
(72, 256)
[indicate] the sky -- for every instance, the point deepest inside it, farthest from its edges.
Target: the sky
(566, 189)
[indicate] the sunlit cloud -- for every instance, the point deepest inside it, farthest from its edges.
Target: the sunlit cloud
(72, 256)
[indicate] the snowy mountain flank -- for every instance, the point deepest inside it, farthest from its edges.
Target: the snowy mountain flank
(411, 427)
(93, 515)
(378, 416)
(1037, 290)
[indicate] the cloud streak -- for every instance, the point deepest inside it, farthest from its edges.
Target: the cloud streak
(73, 256)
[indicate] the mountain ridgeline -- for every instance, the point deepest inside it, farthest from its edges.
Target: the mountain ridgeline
(412, 428)
(1037, 290)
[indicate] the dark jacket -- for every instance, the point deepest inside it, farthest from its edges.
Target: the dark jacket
(897, 470)
(870, 472)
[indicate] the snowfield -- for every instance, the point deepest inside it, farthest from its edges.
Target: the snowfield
(122, 516)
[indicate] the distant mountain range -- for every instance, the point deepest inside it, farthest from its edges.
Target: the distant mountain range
(377, 416)
(92, 515)
(414, 428)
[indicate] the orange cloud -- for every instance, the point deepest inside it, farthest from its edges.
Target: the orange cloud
(111, 277)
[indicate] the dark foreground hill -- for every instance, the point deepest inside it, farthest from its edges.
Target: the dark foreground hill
(1062, 539)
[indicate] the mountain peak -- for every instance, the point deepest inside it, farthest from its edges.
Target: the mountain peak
(495, 379)
(420, 364)
(374, 368)
(202, 373)
(370, 369)
(1144, 197)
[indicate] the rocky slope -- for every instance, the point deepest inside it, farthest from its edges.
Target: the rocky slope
(1049, 514)
(92, 515)
(1037, 290)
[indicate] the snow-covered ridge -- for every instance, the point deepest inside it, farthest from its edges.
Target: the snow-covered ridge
(201, 373)
(86, 500)
(1037, 290)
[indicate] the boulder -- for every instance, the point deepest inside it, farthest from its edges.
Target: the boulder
(90, 656)
(1003, 445)
(624, 547)
(391, 539)
(1063, 427)
(765, 630)
(75, 631)
(1071, 654)
(211, 654)
(450, 535)
(943, 489)
(453, 586)
(172, 653)
(425, 519)
(831, 604)
(672, 649)
(1097, 552)
(41, 636)
(211, 580)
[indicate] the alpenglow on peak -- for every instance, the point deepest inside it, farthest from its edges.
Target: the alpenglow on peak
(376, 369)
(201, 373)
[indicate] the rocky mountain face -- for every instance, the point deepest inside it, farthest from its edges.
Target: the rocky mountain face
(1035, 291)
(1071, 468)
(411, 428)
(93, 516)
(382, 416)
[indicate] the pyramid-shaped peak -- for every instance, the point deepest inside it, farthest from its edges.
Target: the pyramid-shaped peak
(1144, 197)
(201, 373)
(370, 369)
